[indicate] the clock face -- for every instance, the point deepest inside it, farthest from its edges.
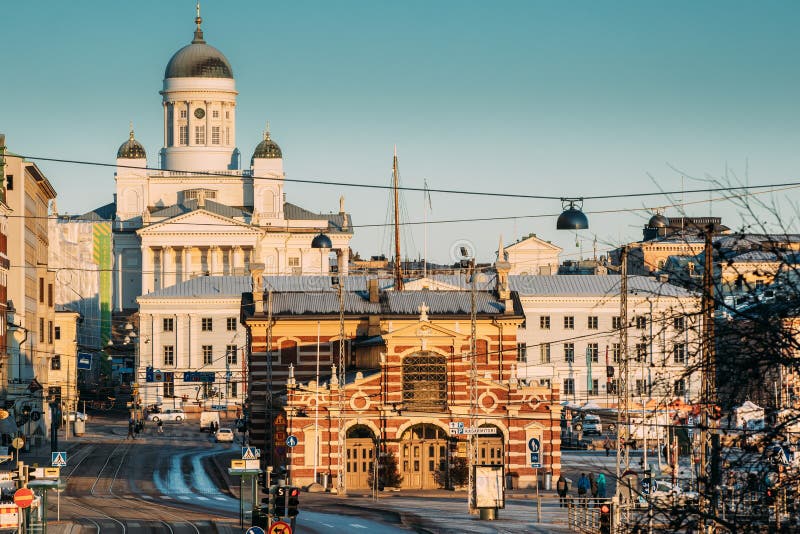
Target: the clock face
(199, 113)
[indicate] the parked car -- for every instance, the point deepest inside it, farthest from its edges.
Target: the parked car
(73, 416)
(167, 415)
(224, 435)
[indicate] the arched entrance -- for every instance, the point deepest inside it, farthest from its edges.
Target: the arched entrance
(360, 455)
(490, 448)
(423, 450)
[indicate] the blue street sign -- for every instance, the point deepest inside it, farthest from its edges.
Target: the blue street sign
(534, 445)
(85, 361)
(58, 459)
(255, 530)
(291, 441)
(149, 375)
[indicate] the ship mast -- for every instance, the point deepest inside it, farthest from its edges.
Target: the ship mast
(398, 269)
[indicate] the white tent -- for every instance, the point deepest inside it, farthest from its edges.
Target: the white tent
(747, 412)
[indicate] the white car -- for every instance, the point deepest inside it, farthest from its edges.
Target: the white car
(167, 415)
(73, 416)
(224, 434)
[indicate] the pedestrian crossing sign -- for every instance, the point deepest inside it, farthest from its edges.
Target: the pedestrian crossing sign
(251, 453)
(58, 459)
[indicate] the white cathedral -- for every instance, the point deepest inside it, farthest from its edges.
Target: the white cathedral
(201, 214)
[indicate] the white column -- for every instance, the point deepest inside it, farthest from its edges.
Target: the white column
(343, 260)
(238, 260)
(148, 276)
(166, 115)
(214, 260)
(169, 267)
(187, 264)
(208, 123)
(189, 122)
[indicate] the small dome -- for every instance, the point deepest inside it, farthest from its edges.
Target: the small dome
(572, 219)
(658, 221)
(198, 60)
(267, 148)
(131, 149)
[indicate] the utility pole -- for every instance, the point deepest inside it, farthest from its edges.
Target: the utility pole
(473, 389)
(623, 393)
(270, 419)
(340, 478)
(709, 431)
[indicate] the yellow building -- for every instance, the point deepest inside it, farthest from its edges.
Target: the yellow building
(60, 380)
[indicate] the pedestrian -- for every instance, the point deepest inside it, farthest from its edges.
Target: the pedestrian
(601, 486)
(593, 486)
(562, 488)
(583, 486)
(607, 445)
(160, 426)
(130, 430)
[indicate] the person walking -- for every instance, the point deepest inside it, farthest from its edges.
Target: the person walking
(607, 445)
(593, 486)
(160, 425)
(562, 488)
(130, 429)
(601, 487)
(583, 487)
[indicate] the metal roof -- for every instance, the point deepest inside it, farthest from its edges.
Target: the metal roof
(441, 302)
(206, 287)
(320, 303)
(322, 283)
(586, 284)
(191, 205)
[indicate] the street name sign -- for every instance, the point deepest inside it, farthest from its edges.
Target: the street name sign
(458, 429)
(58, 459)
(84, 361)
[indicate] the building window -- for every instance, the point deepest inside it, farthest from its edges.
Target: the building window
(593, 352)
(230, 354)
(680, 387)
(227, 136)
(641, 322)
(215, 135)
(679, 353)
(55, 363)
(641, 387)
(569, 352)
(294, 262)
(544, 322)
(41, 330)
(215, 114)
(227, 114)
(544, 353)
(169, 355)
(595, 387)
(207, 390)
(208, 354)
(50, 295)
(169, 324)
(616, 352)
(569, 322)
(206, 324)
(612, 386)
(522, 352)
(592, 322)
(641, 352)
(569, 386)
(58, 332)
(679, 323)
(169, 389)
(425, 381)
(231, 324)
(41, 290)
(199, 135)
(233, 389)
(183, 113)
(184, 140)
(10, 182)
(616, 323)
(545, 382)
(50, 331)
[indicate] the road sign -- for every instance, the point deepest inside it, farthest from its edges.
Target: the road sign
(58, 459)
(18, 442)
(280, 527)
(458, 429)
(534, 445)
(198, 376)
(23, 497)
(536, 461)
(250, 453)
(238, 464)
(255, 530)
(84, 361)
(291, 441)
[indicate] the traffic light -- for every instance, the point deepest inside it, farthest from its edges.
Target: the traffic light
(273, 499)
(293, 501)
(609, 371)
(770, 496)
(280, 501)
(605, 518)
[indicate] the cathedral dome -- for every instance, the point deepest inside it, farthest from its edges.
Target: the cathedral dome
(198, 60)
(131, 149)
(267, 149)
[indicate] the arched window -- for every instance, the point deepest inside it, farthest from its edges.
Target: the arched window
(424, 381)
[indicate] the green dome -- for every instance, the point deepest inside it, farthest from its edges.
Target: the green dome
(267, 148)
(131, 149)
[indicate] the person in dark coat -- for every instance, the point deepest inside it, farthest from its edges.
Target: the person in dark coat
(583, 487)
(562, 488)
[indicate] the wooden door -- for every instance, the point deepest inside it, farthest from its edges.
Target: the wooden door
(360, 454)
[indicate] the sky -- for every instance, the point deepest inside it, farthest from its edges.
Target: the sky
(558, 99)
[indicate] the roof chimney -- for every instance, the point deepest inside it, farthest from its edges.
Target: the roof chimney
(374, 293)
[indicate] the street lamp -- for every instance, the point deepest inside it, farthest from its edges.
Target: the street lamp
(572, 218)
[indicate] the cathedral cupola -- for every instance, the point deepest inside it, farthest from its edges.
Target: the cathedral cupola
(267, 148)
(131, 149)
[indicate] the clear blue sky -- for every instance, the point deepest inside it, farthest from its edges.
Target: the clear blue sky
(552, 98)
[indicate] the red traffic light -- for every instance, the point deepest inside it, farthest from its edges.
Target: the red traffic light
(294, 492)
(604, 509)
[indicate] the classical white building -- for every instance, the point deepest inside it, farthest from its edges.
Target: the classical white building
(571, 337)
(201, 213)
(532, 255)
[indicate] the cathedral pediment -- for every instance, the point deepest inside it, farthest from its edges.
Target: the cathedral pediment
(199, 222)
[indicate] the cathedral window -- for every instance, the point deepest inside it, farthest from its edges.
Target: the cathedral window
(215, 114)
(227, 135)
(424, 381)
(199, 135)
(183, 113)
(227, 114)
(215, 135)
(184, 135)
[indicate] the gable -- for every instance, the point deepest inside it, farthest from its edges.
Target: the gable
(533, 244)
(430, 284)
(198, 222)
